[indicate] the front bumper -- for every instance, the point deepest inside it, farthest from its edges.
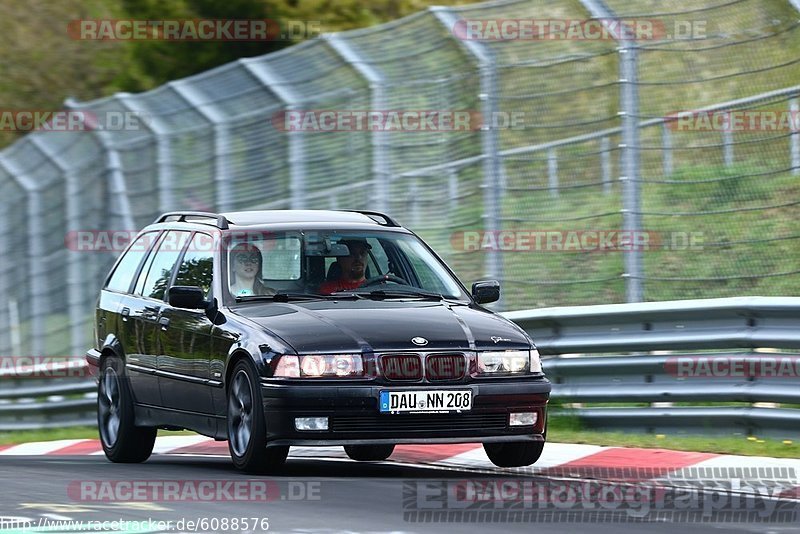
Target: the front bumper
(353, 416)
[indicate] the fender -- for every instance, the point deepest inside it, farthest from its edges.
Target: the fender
(110, 344)
(261, 347)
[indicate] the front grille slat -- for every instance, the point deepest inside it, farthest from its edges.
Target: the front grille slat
(408, 367)
(402, 367)
(440, 367)
(422, 422)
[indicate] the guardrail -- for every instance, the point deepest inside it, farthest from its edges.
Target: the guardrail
(575, 343)
(55, 395)
(758, 329)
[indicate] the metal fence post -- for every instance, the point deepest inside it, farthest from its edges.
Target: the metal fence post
(5, 296)
(492, 165)
(552, 171)
(605, 163)
(75, 282)
(794, 139)
(297, 146)
(666, 146)
(452, 192)
(376, 80)
(629, 111)
(36, 253)
(629, 102)
(119, 190)
(727, 145)
(222, 178)
(413, 203)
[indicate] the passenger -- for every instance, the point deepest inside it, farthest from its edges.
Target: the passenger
(246, 264)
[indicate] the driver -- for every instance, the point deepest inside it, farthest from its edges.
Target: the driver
(352, 267)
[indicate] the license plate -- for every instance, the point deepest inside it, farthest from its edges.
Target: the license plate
(428, 401)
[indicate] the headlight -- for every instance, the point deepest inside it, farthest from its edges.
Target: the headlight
(320, 366)
(509, 362)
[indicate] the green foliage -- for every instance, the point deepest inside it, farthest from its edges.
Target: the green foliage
(697, 185)
(42, 65)
(558, 433)
(167, 60)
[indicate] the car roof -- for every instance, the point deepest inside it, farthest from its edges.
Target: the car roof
(253, 218)
(224, 221)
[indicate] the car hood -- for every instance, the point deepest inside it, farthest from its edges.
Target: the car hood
(366, 325)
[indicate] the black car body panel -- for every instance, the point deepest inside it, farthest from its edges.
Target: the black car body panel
(344, 326)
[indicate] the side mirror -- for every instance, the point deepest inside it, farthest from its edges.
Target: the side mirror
(190, 297)
(486, 291)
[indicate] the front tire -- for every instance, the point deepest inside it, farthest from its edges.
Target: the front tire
(247, 434)
(369, 453)
(516, 454)
(122, 440)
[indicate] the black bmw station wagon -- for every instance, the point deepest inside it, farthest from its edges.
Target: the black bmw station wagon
(277, 328)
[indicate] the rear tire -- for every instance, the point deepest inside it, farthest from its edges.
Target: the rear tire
(122, 440)
(516, 454)
(247, 434)
(369, 453)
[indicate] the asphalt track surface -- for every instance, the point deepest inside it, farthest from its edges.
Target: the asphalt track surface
(309, 495)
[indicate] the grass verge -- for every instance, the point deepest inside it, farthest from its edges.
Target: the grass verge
(567, 429)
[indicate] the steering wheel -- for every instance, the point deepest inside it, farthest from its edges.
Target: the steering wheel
(382, 279)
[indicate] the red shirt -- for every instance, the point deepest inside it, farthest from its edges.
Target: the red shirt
(332, 286)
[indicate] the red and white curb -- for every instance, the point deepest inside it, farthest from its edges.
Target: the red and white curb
(469, 455)
(558, 459)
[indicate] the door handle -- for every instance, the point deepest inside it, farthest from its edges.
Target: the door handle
(164, 322)
(125, 313)
(150, 313)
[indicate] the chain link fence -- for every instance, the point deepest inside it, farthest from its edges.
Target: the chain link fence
(584, 142)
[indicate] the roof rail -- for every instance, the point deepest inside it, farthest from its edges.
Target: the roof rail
(219, 220)
(387, 220)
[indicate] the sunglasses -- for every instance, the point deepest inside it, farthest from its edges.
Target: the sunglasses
(248, 258)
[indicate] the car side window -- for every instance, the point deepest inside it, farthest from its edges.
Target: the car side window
(160, 272)
(126, 268)
(137, 290)
(197, 267)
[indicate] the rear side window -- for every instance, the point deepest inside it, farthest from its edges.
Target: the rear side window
(145, 269)
(126, 268)
(158, 277)
(197, 267)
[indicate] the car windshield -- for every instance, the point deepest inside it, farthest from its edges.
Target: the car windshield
(328, 264)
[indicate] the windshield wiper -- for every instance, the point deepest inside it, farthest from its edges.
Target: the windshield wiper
(283, 297)
(344, 295)
(383, 294)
